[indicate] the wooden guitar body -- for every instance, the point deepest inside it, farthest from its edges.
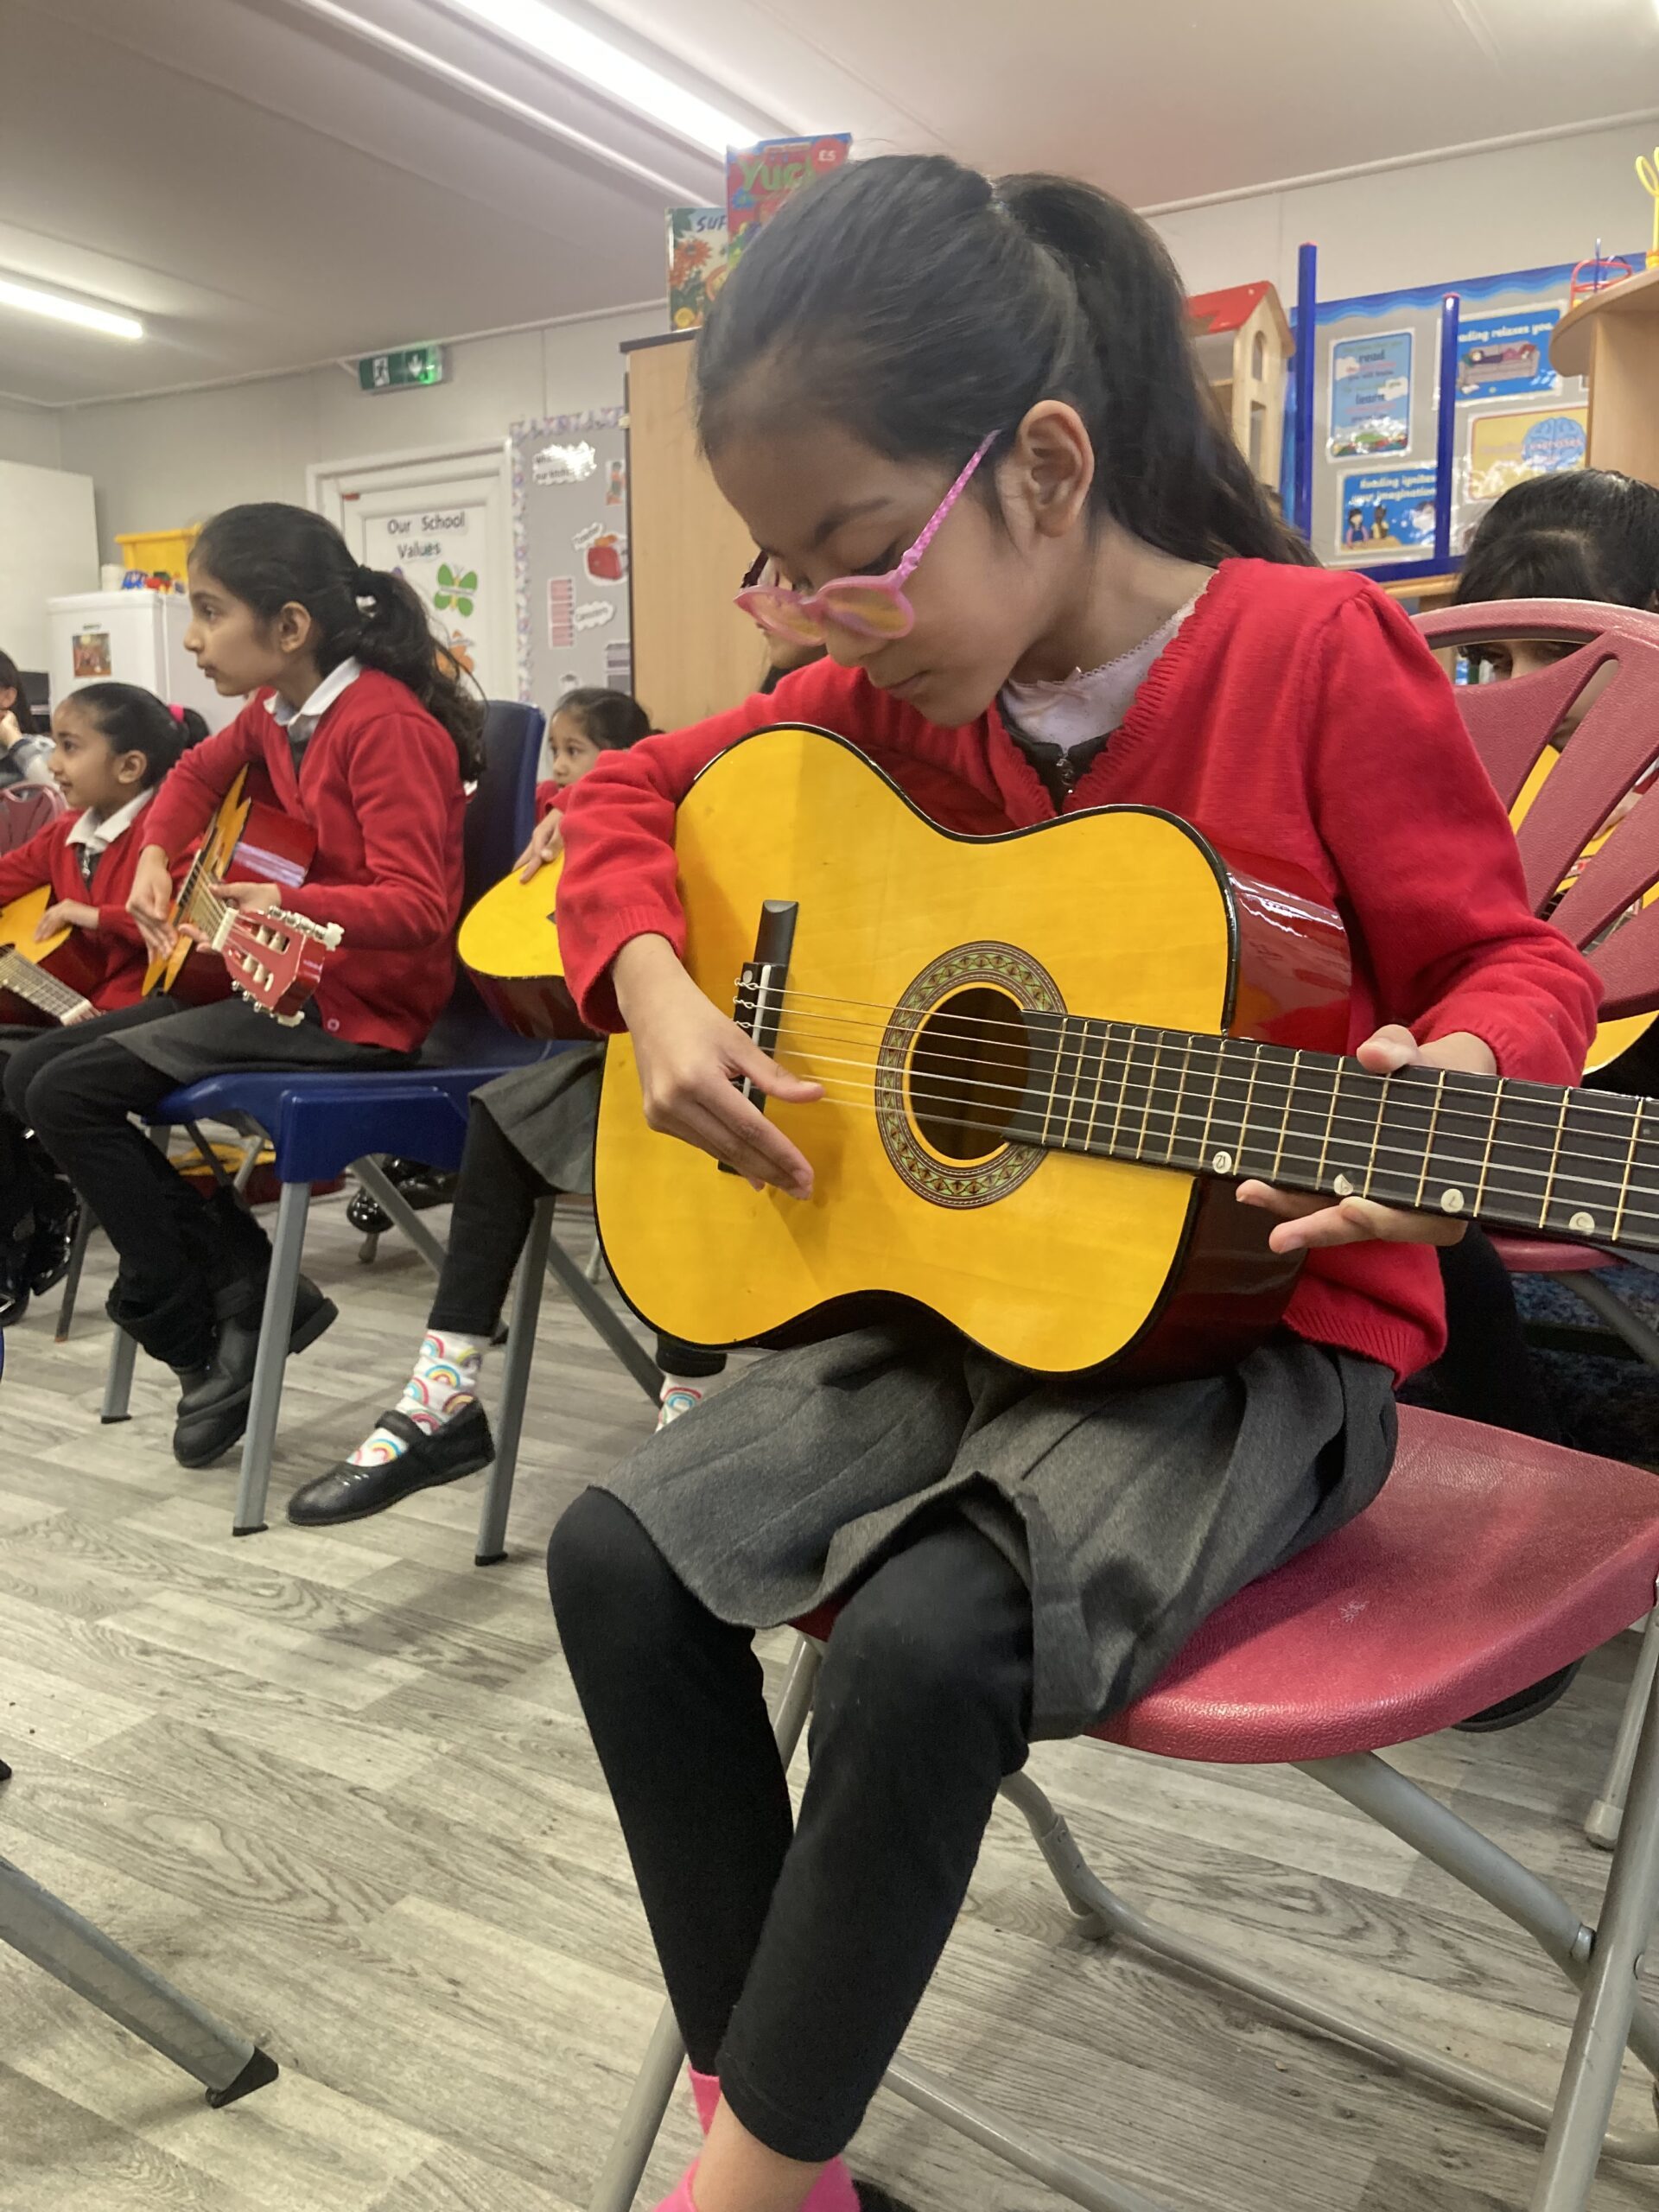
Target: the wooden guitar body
(66, 956)
(248, 841)
(509, 944)
(915, 955)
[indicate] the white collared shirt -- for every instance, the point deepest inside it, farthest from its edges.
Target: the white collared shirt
(301, 722)
(97, 837)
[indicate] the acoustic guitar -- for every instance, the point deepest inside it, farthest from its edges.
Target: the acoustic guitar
(248, 841)
(509, 944)
(48, 982)
(1047, 1058)
(273, 958)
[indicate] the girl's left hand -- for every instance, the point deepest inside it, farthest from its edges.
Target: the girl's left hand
(251, 898)
(68, 914)
(1308, 1224)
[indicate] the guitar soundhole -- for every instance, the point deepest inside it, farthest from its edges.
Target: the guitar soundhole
(967, 1072)
(952, 1069)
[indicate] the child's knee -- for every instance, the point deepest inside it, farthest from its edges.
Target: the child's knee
(601, 1566)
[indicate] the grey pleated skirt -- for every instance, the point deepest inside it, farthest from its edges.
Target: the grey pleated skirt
(1131, 1513)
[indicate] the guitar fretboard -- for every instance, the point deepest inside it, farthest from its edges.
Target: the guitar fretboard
(1520, 1155)
(33, 984)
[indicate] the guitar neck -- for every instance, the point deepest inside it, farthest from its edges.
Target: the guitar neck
(1522, 1156)
(31, 983)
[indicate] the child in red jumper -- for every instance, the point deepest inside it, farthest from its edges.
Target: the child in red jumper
(984, 400)
(111, 744)
(361, 729)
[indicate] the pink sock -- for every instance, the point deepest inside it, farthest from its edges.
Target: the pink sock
(705, 2095)
(833, 2191)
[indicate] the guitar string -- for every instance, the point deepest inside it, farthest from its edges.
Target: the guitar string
(896, 1080)
(973, 1029)
(28, 980)
(864, 1100)
(1133, 1082)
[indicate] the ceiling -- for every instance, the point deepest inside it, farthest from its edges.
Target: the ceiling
(268, 186)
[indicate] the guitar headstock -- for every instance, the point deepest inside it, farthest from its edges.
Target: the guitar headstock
(275, 959)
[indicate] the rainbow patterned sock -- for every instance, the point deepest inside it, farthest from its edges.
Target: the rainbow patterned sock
(444, 1383)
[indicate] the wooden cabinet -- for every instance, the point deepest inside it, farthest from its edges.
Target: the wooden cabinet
(1613, 338)
(693, 652)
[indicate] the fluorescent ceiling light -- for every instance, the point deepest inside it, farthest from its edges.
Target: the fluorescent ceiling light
(58, 309)
(597, 62)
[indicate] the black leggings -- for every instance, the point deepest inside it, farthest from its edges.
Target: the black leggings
(496, 1194)
(794, 1962)
(1486, 1372)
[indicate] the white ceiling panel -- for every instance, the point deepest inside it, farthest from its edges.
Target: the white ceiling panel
(267, 186)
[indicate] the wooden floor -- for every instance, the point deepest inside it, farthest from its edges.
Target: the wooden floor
(339, 1787)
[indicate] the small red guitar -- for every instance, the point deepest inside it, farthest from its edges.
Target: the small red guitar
(272, 958)
(246, 842)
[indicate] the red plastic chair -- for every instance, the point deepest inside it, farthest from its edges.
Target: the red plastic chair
(1613, 746)
(1487, 1562)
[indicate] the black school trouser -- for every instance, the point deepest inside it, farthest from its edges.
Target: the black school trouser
(496, 1194)
(794, 1960)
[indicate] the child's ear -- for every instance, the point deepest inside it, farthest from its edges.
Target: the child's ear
(293, 628)
(132, 770)
(1053, 466)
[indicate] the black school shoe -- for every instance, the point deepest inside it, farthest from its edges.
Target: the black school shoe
(214, 1406)
(459, 1447)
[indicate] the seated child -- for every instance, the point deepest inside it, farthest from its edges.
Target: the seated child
(356, 725)
(111, 744)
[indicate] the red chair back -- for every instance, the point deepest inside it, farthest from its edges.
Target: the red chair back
(25, 810)
(1613, 748)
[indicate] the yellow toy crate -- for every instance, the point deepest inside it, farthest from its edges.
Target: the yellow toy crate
(158, 551)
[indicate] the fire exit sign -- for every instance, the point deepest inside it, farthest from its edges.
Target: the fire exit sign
(403, 367)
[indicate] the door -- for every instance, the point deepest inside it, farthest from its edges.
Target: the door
(444, 521)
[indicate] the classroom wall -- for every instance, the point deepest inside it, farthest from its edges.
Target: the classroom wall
(29, 434)
(1517, 207)
(158, 463)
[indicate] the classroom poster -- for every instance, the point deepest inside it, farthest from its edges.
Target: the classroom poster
(1371, 395)
(1506, 449)
(1501, 356)
(571, 554)
(1388, 510)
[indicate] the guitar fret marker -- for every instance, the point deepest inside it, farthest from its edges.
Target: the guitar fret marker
(1222, 1163)
(1584, 1223)
(1451, 1201)
(1343, 1188)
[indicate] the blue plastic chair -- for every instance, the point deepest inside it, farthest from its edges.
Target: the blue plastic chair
(319, 1125)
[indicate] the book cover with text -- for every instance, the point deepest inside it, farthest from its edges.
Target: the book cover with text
(696, 263)
(759, 178)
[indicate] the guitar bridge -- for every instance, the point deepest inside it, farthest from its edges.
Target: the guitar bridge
(758, 1011)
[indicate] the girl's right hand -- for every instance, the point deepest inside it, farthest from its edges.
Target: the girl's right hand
(690, 1058)
(151, 902)
(546, 841)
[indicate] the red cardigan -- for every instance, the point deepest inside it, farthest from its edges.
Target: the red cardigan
(1296, 714)
(380, 785)
(49, 858)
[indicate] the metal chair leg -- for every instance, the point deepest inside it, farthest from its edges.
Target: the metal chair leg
(392, 1203)
(1601, 1822)
(630, 2152)
(118, 1381)
(1583, 2101)
(82, 1237)
(568, 1274)
(42, 1928)
(276, 1326)
(1612, 1309)
(515, 1387)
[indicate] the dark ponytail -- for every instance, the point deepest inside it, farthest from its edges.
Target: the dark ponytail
(1588, 533)
(911, 302)
(268, 555)
(131, 719)
(11, 679)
